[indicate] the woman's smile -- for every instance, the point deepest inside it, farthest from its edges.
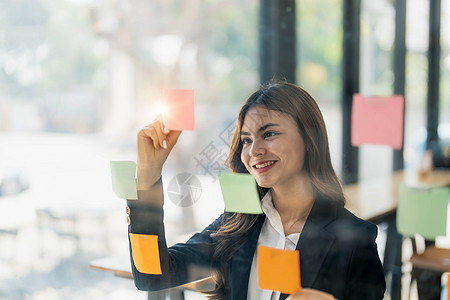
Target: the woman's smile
(263, 166)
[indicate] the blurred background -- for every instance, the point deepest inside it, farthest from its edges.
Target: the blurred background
(78, 78)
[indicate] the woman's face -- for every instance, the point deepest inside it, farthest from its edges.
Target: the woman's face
(273, 150)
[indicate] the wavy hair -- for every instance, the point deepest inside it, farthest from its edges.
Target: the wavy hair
(291, 100)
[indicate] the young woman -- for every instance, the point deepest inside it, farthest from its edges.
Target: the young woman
(281, 140)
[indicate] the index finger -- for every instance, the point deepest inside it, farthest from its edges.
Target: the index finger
(160, 120)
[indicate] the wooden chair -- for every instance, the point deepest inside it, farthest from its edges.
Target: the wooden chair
(423, 212)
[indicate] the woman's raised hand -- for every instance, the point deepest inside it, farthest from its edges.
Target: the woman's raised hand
(154, 144)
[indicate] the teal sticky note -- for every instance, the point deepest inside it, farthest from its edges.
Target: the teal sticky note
(240, 193)
(422, 211)
(123, 175)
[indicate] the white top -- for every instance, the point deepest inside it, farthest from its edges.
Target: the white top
(271, 235)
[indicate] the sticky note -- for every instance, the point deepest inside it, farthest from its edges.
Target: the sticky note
(240, 193)
(422, 211)
(377, 120)
(179, 104)
(123, 175)
(278, 270)
(145, 253)
(448, 286)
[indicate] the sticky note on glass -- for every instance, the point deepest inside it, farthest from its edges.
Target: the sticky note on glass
(278, 270)
(240, 193)
(123, 175)
(422, 211)
(377, 120)
(179, 105)
(145, 253)
(448, 286)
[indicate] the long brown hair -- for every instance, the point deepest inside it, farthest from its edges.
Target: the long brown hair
(292, 100)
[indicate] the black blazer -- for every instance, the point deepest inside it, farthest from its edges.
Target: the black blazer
(338, 254)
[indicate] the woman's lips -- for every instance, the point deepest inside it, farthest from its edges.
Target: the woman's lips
(263, 167)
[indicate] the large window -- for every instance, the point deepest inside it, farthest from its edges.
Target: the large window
(377, 34)
(319, 48)
(417, 23)
(444, 113)
(77, 80)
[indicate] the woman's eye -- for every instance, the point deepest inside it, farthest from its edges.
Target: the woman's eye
(246, 141)
(269, 134)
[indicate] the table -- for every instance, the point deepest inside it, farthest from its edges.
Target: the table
(119, 265)
(376, 200)
(433, 258)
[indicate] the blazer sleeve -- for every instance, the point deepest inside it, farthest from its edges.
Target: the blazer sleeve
(365, 273)
(180, 263)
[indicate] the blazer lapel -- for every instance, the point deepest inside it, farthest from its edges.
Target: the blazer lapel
(241, 262)
(314, 242)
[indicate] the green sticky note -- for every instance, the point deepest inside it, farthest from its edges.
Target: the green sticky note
(422, 211)
(240, 193)
(123, 175)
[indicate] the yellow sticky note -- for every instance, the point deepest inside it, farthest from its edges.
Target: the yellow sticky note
(422, 211)
(240, 193)
(278, 270)
(123, 175)
(145, 253)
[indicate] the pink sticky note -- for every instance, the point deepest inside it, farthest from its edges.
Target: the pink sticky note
(377, 120)
(179, 106)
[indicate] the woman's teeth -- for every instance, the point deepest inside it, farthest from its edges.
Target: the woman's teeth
(264, 164)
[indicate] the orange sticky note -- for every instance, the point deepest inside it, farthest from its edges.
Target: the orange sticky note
(448, 286)
(145, 253)
(278, 270)
(377, 120)
(179, 106)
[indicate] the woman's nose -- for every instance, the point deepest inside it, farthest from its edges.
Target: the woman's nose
(257, 149)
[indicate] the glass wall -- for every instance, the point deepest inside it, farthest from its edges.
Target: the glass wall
(417, 24)
(78, 78)
(377, 33)
(319, 48)
(376, 77)
(444, 113)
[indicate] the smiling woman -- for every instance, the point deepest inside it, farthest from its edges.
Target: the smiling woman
(281, 140)
(305, 130)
